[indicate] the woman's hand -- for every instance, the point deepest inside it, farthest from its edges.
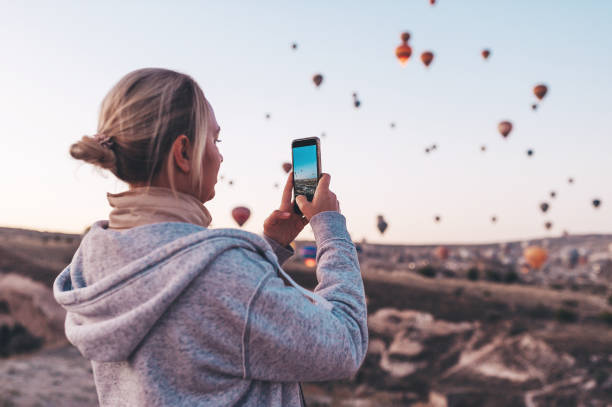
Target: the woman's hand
(283, 225)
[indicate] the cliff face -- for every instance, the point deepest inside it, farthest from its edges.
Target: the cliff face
(30, 317)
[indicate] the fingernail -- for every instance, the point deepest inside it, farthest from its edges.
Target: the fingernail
(285, 214)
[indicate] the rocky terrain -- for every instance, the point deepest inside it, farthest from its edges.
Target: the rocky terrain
(436, 339)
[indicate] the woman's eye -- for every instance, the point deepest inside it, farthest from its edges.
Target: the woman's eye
(217, 141)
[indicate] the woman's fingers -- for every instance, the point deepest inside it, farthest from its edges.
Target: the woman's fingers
(286, 199)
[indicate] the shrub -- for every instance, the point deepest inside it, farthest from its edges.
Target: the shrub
(473, 274)
(570, 303)
(427, 271)
(606, 316)
(540, 311)
(565, 315)
(511, 276)
(493, 275)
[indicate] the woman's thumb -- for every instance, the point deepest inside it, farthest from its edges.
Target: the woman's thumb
(300, 199)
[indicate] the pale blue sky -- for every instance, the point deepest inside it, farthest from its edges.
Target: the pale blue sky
(60, 58)
(305, 162)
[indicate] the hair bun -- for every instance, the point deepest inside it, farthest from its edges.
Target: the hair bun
(90, 150)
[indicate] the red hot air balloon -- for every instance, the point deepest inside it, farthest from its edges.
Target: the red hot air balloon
(403, 51)
(241, 214)
(441, 252)
(432, 2)
(504, 127)
(427, 57)
(287, 167)
(485, 53)
(317, 79)
(540, 91)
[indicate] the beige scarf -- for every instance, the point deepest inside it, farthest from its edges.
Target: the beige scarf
(140, 206)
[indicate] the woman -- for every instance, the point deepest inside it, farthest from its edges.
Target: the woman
(172, 313)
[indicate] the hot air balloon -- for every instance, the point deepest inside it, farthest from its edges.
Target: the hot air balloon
(287, 167)
(485, 53)
(427, 150)
(572, 258)
(432, 2)
(317, 79)
(544, 206)
(530, 152)
(356, 101)
(310, 262)
(441, 252)
(276, 185)
(596, 203)
(434, 146)
(294, 46)
(381, 224)
(308, 252)
(427, 57)
(553, 194)
(231, 182)
(504, 127)
(540, 91)
(548, 225)
(323, 135)
(570, 180)
(483, 148)
(392, 125)
(267, 115)
(493, 219)
(241, 214)
(437, 218)
(403, 51)
(534, 106)
(535, 256)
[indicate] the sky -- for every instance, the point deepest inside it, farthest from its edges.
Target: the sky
(59, 59)
(305, 162)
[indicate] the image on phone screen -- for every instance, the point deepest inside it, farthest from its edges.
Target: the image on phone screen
(305, 170)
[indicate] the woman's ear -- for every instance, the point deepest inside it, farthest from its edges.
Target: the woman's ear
(181, 149)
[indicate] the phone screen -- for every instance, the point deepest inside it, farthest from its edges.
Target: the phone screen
(305, 170)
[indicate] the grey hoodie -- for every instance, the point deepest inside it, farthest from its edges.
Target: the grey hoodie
(175, 314)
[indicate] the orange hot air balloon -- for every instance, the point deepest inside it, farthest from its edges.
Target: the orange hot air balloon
(403, 51)
(317, 79)
(241, 214)
(287, 167)
(441, 252)
(535, 256)
(485, 53)
(540, 91)
(427, 57)
(504, 128)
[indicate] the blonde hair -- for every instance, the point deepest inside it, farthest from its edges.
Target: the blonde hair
(142, 115)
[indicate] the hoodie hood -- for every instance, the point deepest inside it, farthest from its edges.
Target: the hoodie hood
(120, 282)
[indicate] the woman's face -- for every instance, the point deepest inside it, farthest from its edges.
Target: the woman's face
(212, 159)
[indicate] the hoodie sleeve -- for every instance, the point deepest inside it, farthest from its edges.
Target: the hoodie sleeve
(282, 252)
(287, 338)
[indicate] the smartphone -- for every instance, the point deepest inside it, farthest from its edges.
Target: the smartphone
(306, 158)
